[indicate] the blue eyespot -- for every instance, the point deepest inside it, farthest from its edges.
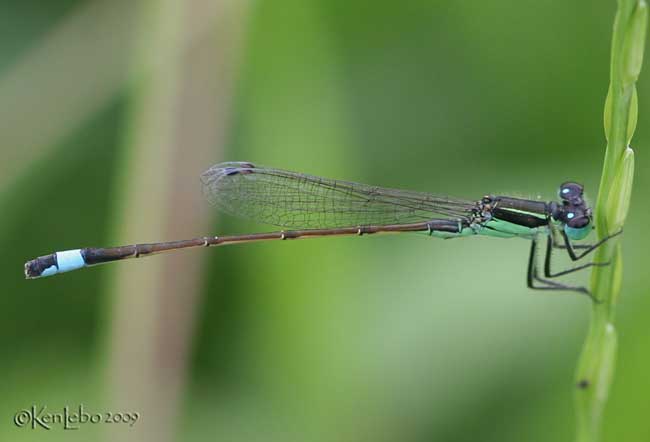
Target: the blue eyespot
(566, 190)
(577, 233)
(570, 215)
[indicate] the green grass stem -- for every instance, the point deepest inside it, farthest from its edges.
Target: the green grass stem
(598, 359)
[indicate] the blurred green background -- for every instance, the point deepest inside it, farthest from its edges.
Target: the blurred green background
(110, 110)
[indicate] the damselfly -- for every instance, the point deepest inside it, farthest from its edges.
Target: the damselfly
(312, 206)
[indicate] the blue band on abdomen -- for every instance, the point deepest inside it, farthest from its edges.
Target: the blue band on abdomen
(69, 260)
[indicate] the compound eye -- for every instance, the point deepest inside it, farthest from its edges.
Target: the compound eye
(570, 191)
(577, 222)
(577, 227)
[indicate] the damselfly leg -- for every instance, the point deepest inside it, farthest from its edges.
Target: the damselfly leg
(532, 276)
(552, 243)
(586, 248)
(533, 272)
(547, 262)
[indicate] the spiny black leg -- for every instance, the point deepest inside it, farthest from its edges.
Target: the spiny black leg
(547, 262)
(557, 245)
(531, 265)
(531, 277)
(551, 285)
(571, 248)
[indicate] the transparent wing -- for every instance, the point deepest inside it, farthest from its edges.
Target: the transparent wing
(295, 200)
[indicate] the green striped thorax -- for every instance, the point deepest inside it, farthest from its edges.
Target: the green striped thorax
(572, 211)
(508, 217)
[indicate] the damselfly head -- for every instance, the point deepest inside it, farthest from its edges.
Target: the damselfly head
(572, 211)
